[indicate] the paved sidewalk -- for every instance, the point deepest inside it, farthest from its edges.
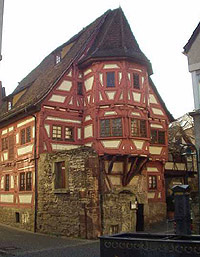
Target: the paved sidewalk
(164, 227)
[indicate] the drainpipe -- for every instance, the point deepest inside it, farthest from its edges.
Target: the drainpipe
(101, 192)
(36, 175)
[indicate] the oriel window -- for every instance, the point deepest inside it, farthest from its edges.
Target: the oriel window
(110, 79)
(138, 128)
(80, 88)
(136, 81)
(157, 137)
(111, 127)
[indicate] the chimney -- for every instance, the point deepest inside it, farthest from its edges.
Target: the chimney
(2, 93)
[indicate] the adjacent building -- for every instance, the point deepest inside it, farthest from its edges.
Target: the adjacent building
(1, 24)
(192, 51)
(84, 138)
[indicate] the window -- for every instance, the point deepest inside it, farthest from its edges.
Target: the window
(69, 135)
(152, 182)
(60, 178)
(9, 105)
(22, 181)
(157, 137)
(25, 135)
(11, 147)
(110, 79)
(7, 182)
(111, 127)
(57, 132)
(114, 229)
(136, 81)
(80, 88)
(138, 128)
(25, 181)
(28, 134)
(4, 143)
(58, 58)
(28, 181)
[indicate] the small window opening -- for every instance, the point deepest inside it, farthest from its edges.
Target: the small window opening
(17, 218)
(80, 88)
(57, 58)
(110, 79)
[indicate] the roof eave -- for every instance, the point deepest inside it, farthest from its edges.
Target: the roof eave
(87, 62)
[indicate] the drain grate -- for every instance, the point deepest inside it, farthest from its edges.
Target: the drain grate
(9, 248)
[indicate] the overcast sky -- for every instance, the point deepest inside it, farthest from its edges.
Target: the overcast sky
(34, 28)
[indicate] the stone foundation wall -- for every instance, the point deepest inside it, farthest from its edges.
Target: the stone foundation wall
(17, 217)
(155, 212)
(117, 214)
(73, 212)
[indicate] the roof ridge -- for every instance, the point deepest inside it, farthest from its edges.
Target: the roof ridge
(192, 38)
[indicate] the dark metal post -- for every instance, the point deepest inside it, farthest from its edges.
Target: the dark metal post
(182, 209)
(196, 117)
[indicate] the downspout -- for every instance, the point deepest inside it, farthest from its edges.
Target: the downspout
(101, 160)
(36, 175)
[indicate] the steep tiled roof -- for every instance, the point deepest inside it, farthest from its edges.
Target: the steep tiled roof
(169, 115)
(115, 39)
(46, 74)
(109, 36)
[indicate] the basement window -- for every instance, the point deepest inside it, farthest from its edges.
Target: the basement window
(17, 217)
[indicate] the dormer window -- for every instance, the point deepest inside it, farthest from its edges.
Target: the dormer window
(58, 58)
(9, 105)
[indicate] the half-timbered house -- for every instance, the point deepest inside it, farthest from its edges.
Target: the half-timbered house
(84, 138)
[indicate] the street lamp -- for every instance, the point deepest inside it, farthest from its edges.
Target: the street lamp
(188, 152)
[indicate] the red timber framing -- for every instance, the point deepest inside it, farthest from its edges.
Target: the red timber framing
(87, 98)
(17, 164)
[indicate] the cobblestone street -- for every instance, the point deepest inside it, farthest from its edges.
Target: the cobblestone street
(21, 243)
